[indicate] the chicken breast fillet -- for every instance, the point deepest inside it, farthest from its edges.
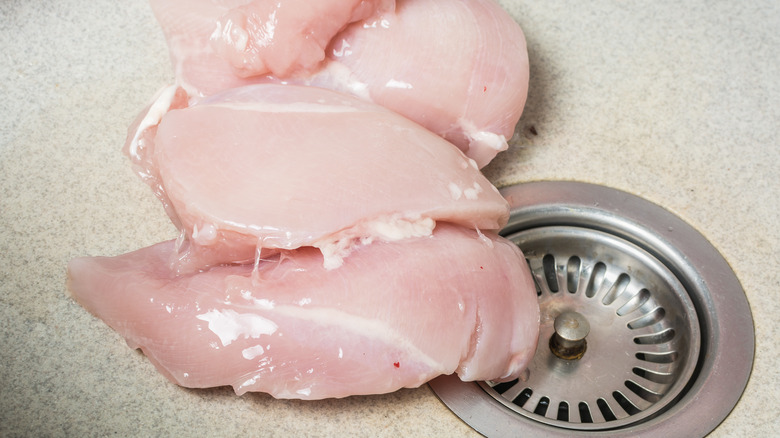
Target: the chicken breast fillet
(458, 68)
(269, 167)
(396, 314)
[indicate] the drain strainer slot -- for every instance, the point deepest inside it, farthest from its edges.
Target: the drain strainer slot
(668, 335)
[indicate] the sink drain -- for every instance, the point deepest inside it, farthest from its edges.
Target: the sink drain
(644, 329)
(643, 338)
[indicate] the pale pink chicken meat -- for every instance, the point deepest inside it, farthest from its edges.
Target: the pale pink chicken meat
(188, 26)
(459, 68)
(214, 44)
(394, 315)
(284, 37)
(274, 167)
(331, 244)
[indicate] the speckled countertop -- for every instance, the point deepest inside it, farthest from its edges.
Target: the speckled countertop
(677, 102)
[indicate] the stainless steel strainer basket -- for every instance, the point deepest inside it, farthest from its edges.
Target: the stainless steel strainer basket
(668, 345)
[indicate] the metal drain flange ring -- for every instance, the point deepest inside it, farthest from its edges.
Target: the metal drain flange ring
(670, 341)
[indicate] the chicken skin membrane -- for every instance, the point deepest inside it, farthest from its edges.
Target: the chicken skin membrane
(395, 314)
(272, 167)
(458, 68)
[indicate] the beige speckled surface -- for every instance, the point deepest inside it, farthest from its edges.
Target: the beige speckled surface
(678, 102)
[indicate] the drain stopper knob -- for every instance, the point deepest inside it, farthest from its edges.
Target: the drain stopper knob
(568, 341)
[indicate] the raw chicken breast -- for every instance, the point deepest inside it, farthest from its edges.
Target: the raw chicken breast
(282, 37)
(188, 26)
(459, 68)
(394, 315)
(269, 167)
(216, 44)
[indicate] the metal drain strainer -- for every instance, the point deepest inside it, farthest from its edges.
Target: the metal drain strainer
(643, 341)
(645, 329)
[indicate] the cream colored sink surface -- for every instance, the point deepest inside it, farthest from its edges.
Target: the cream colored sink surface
(677, 102)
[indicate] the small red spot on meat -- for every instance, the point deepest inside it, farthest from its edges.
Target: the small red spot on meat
(484, 88)
(397, 364)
